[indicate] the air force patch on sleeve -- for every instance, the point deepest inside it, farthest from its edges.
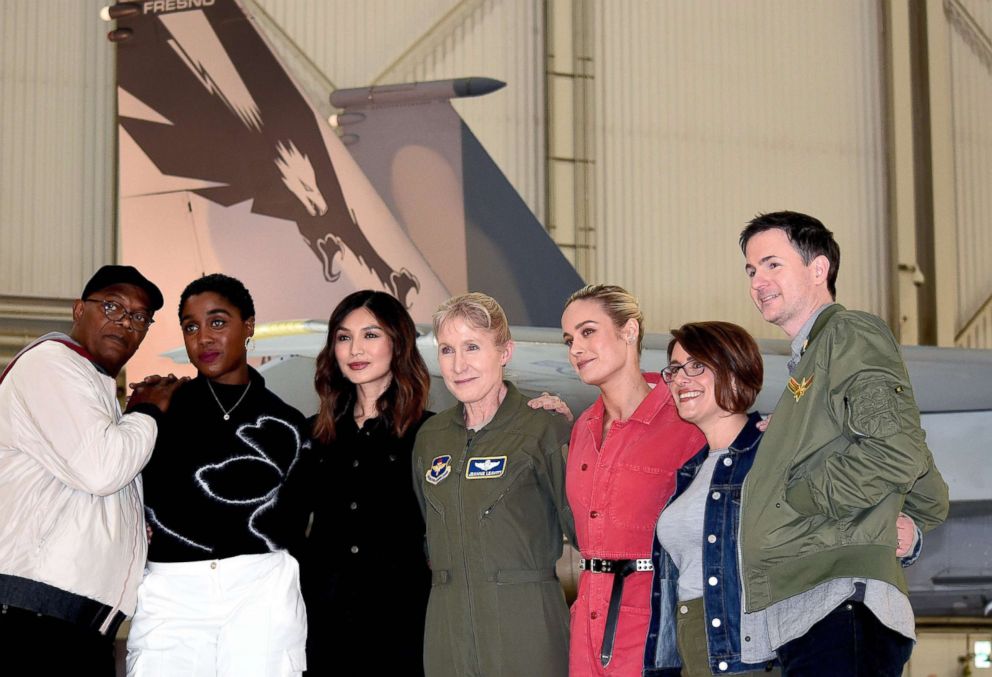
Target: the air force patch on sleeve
(487, 467)
(440, 468)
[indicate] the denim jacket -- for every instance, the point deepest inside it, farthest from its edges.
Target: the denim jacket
(721, 575)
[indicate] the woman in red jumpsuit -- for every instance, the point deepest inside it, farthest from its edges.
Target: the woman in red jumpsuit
(623, 455)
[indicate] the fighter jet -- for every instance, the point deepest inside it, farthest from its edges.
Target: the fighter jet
(226, 166)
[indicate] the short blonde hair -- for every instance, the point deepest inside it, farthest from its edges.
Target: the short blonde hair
(478, 310)
(619, 304)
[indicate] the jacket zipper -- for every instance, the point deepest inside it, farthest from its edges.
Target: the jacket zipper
(136, 545)
(464, 541)
(740, 550)
(501, 496)
(850, 424)
(43, 538)
(132, 491)
(740, 540)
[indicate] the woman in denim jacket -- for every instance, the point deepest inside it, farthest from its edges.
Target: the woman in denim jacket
(714, 373)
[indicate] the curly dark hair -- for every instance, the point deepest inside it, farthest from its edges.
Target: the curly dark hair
(404, 401)
(229, 287)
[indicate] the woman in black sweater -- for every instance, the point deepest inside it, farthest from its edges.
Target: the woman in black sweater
(221, 593)
(365, 575)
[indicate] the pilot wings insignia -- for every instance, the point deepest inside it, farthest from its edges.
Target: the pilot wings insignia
(799, 388)
(489, 467)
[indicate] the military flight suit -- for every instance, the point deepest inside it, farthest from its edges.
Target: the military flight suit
(494, 504)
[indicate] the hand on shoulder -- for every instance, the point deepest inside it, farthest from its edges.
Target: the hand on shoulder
(155, 390)
(553, 403)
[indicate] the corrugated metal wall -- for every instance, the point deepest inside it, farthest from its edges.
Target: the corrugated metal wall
(355, 42)
(56, 136)
(709, 112)
(706, 113)
(388, 41)
(971, 84)
(501, 39)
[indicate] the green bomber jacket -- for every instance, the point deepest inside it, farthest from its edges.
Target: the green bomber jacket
(843, 455)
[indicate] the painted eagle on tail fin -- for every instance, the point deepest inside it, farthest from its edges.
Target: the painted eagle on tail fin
(244, 129)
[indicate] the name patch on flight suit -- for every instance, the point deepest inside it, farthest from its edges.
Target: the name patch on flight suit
(485, 468)
(440, 468)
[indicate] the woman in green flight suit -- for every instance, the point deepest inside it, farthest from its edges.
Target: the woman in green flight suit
(490, 477)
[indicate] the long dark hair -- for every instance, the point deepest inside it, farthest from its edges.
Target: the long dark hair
(404, 401)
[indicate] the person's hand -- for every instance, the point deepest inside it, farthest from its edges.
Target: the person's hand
(155, 390)
(148, 533)
(762, 425)
(152, 380)
(552, 403)
(905, 534)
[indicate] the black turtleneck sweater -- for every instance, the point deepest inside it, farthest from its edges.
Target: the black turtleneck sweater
(215, 488)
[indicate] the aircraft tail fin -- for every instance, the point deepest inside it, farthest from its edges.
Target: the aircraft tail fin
(225, 166)
(457, 205)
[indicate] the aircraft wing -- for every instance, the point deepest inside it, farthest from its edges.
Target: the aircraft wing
(952, 577)
(225, 166)
(950, 386)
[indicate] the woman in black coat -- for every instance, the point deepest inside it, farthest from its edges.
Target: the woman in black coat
(364, 573)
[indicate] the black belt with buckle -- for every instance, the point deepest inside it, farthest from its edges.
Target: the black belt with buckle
(621, 568)
(610, 566)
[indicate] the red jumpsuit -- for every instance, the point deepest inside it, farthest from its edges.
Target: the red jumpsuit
(616, 491)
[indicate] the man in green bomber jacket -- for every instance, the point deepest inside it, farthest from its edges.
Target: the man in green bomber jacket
(843, 481)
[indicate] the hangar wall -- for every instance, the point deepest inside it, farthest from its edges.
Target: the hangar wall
(708, 113)
(57, 196)
(693, 117)
(57, 166)
(698, 123)
(389, 41)
(970, 84)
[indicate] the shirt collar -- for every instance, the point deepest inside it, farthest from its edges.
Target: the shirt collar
(745, 441)
(58, 337)
(800, 340)
(647, 409)
(749, 434)
(505, 413)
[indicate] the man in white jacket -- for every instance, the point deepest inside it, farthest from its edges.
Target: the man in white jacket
(72, 533)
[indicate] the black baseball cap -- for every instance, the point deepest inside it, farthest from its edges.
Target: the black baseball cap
(110, 275)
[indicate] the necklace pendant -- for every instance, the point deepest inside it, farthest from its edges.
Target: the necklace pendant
(227, 412)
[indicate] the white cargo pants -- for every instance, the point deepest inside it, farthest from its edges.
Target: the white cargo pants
(240, 616)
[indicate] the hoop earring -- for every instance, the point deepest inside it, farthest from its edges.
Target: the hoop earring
(250, 343)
